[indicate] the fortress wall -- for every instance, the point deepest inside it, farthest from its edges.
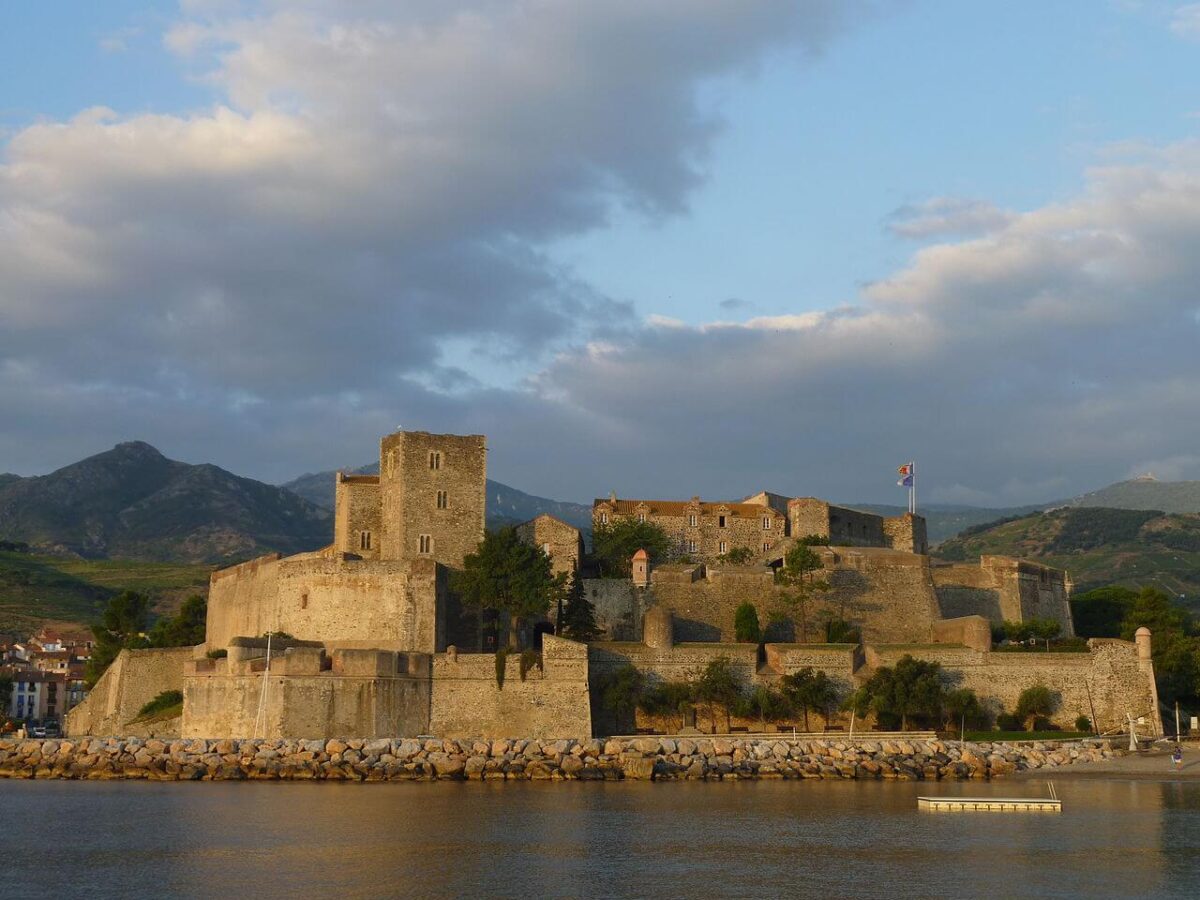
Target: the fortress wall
(704, 610)
(889, 594)
(680, 663)
(134, 679)
(550, 703)
(1029, 590)
(1109, 673)
(357, 511)
(383, 602)
(619, 607)
(844, 527)
(906, 532)
(313, 706)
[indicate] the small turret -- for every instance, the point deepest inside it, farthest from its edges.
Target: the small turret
(641, 568)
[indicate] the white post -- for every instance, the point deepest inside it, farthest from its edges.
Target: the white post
(851, 724)
(1132, 734)
(262, 696)
(913, 503)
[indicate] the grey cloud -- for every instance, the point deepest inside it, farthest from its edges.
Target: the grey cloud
(367, 189)
(946, 217)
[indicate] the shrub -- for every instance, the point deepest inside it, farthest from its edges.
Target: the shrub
(163, 701)
(1036, 702)
(1083, 723)
(911, 690)
(501, 666)
(738, 556)
(764, 704)
(718, 688)
(622, 692)
(745, 624)
(530, 659)
(961, 708)
(1041, 723)
(217, 654)
(1009, 722)
(668, 699)
(809, 689)
(839, 631)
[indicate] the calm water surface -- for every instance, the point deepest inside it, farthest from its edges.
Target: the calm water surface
(819, 839)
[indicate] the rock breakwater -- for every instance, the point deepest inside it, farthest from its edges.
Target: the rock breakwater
(699, 758)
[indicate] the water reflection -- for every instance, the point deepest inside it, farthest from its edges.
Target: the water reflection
(861, 839)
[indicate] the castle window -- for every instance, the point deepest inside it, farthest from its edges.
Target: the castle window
(641, 517)
(766, 546)
(546, 549)
(304, 601)
(603, 518)
(692, 521)
(766, 523)
(723, 546)
(364, 540)
(425, 543)
(443, 500)
(435, 459)
(691, 546)
(720, 521)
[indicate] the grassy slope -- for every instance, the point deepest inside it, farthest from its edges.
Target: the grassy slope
(37, 590)
(1097, 547)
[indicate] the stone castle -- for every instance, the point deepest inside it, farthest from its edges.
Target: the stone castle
(367, 640)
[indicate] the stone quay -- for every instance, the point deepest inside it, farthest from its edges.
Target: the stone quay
(431, 759)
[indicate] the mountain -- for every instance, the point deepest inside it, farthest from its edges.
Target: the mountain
(1097, 545)
(945, 520)
(505, 505)
(132, 502)
(1146, 492)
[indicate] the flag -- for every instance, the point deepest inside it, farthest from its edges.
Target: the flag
(906, 481)
(906, 472)
(905, 469)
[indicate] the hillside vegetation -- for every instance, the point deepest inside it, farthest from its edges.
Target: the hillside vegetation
(39, 590)
(1145, 493)
(1098, 546)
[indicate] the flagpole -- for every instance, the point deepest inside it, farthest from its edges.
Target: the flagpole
(913, 495)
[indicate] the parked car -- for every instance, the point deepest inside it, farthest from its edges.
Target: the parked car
(37, 730)
(52, 729)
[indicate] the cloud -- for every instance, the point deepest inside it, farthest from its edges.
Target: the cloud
(1185, 21)
(946, 217)
(362, 213)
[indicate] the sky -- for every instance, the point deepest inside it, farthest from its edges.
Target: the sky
(690, 247)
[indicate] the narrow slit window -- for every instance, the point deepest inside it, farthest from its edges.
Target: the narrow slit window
(435, 459)
(766, 523)
(692, 521)
(443, 500)
(364, 540)
(425, 543)
(724, 546)
(720, 521)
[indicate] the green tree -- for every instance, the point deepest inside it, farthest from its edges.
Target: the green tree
(669, 699)
(6, 692)
(122, 626)
(506, 574)
(1045, 630)
(1175, 648)
(798, 576)
(1017, 631)
(614, 544)
(746, 629)
(718, 688)
(912, 689)
(960, 706)
(738, 556)
(764, 704)
(1037, 701)
(1100, 612)
(621, 693)
(579, 615)
(809, 689)
(185, 628)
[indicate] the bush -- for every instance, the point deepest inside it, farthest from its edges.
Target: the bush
(217, 654)
(1083, 723)
(668, 699)
(839, 631)
(745, 624)
(1036, 702)
(621, 692)
(163, 701)
(501, 666)
(738, 556)
(1009, 722)
(1041, 723)
(530, 659)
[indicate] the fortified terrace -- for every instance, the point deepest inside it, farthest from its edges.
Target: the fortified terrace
(367, 640)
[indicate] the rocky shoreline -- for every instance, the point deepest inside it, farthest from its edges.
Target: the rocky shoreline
(428, 759)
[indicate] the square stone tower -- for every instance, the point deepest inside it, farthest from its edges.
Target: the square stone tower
(432, 493)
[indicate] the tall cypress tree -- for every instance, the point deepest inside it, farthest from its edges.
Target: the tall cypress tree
(579, 615)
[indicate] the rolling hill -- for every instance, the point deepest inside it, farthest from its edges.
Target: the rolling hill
(1145, 493)
(132, 502)
(1097, 545)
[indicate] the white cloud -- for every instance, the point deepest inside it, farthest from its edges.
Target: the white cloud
(1185, 21)
(947, 217)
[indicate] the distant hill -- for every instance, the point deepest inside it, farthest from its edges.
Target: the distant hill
(945, 520)
(132, 502)
(505, 505)
(1096, 545)
(1145, 493)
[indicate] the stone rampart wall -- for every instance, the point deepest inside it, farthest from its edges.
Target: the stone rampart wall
(357, 527)
(551, 702)
(134, 679)
(391, 604)
(619, 607)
